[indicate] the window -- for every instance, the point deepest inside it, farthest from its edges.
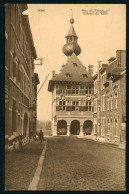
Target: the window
(19, 72)
(108, 102)
(75, 89)
(67, 75)
(111, 100)
(61, 105)
(84, 75)
(75, 106)
(88, 90)
(103, 126)
(75, 64)
(108, 126)
(60, 91)
(103, 80)
(103, 103)
(89, 106)
(115, 99)
(115, 126)
(95, 87)
(82, 87)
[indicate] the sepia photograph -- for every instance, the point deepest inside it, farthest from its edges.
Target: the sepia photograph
(65, 97)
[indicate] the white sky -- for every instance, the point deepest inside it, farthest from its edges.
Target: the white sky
(99, 36)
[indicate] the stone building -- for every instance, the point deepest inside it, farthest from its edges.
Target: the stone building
(110, 99)
(20, 80)
(72, 92)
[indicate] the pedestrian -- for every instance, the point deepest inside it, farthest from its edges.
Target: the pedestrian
(21, 143)
(41, 136)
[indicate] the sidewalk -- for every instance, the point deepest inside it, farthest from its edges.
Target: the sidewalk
(90, 138)
(20, 166)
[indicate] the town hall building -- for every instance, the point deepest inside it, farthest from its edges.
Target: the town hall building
(72, 92)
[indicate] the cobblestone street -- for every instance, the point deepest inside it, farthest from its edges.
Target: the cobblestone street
(20, 166)
(78, 164)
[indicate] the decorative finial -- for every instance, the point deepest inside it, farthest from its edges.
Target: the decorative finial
(71, 13)
(71, 20)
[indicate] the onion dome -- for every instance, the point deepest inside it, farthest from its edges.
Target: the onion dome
(70, 48)
(71, 45)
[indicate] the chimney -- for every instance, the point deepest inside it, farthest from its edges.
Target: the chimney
(118, 55)
(91, 69)
(53, 73)
(99, 64)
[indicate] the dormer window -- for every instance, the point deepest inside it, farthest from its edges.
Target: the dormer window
(84, 75)
(75, 64)
(67, 75)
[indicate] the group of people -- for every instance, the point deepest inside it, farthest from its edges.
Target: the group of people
(39, 136)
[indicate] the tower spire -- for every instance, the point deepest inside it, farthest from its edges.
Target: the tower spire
(71, 40)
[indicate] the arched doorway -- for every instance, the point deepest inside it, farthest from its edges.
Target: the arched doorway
(25, 124)
(87, 127)
(75, 127)
(62, 127)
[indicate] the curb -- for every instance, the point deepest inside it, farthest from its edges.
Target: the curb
(104, 143)
(34, 183)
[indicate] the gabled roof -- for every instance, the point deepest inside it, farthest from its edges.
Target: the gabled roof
(111, 59)
(71, 32)
(77, 72)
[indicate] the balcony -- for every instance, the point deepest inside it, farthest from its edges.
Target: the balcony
(74, 109)
(74, 92)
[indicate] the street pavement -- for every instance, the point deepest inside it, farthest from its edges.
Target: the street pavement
(73, 164)
(20, 166)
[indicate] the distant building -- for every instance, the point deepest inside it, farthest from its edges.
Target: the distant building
(110, 99)
(20, 80)
(72, 93)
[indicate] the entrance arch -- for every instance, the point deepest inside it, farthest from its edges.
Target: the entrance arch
(75, 127)
(61, 127)
(87, 127)
(25, 124)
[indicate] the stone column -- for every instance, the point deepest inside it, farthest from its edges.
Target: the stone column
(81, 130)
(55, 129)
(68, 130)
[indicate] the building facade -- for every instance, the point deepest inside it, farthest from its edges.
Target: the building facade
(20, 80)
(72, 93)
(110, 99)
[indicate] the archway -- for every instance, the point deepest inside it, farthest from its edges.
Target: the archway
(87, 127)
(75, 127)
(62, 127)
(25, 124)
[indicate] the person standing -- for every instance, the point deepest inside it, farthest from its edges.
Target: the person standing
(41, 136)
